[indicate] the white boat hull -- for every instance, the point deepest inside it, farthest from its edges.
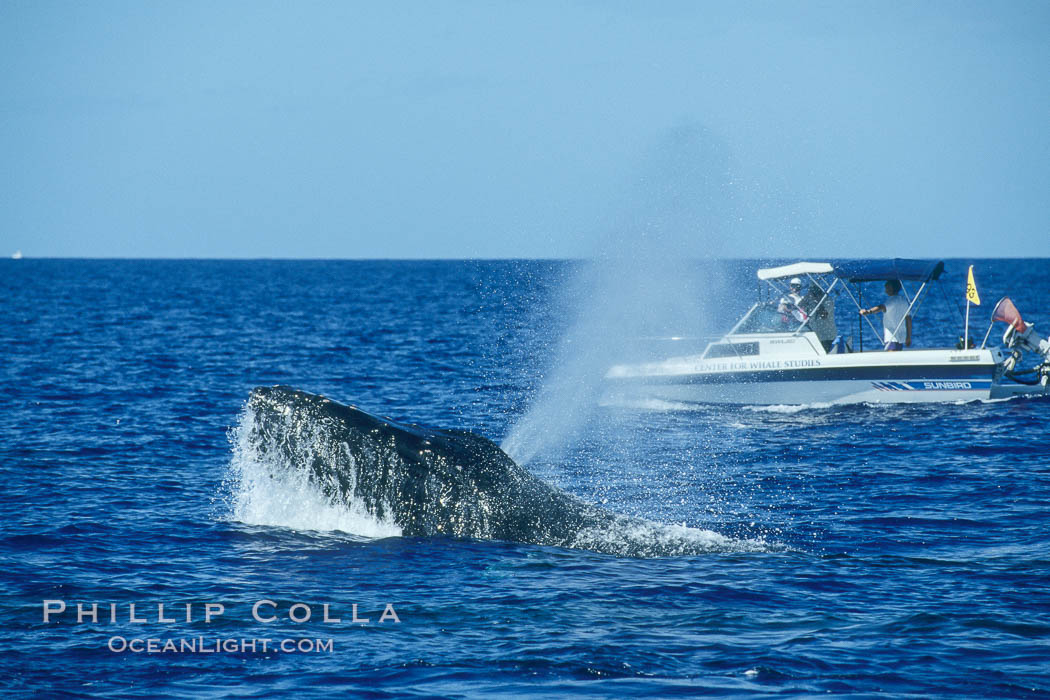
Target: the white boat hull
(787, 349)
(918, 376)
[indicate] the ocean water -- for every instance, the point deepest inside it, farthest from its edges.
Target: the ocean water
(870, 550)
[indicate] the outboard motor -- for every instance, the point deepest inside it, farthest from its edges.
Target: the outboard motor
(1020, 337)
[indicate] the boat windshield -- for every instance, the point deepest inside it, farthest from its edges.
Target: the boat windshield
(764, 318)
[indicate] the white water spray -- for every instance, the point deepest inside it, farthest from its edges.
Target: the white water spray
(637, 292)
(269, 489)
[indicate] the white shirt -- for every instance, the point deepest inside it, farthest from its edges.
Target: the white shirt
(893, 318)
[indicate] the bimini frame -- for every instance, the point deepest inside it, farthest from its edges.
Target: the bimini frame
(856, 271)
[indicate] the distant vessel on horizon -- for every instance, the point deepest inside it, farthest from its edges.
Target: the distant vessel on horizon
(17, 255)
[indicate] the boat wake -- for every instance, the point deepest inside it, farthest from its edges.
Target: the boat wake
(790, 409)
(652, 404)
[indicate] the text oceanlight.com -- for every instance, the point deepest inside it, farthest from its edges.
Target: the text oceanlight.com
(229, 645)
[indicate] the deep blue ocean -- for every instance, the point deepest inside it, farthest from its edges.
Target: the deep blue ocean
(873, 550)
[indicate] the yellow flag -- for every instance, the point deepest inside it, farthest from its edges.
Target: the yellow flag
(971, 289)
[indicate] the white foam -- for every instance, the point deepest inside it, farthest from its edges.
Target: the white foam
(273, 490)
(788, 408)
(645, 538)
(649, 404)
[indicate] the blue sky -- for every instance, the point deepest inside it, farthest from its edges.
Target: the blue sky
(524, 129)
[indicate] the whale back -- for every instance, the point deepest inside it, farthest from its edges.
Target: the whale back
(430, 482)
(427, 481)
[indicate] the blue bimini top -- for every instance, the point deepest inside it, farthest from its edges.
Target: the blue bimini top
(896, 269)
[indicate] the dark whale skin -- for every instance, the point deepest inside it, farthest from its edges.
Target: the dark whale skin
(443, 482)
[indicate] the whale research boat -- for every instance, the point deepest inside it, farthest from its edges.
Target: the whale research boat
(788, 350)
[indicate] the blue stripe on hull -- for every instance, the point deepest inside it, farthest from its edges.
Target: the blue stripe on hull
(936, 385)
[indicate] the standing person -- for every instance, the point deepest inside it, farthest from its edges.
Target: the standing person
(895, 334)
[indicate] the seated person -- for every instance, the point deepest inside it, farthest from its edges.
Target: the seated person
(821, 315)
(790, 303)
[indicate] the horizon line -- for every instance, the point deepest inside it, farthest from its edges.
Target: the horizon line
(482, 259)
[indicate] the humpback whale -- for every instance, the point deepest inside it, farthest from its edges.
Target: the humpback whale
(433, 482)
